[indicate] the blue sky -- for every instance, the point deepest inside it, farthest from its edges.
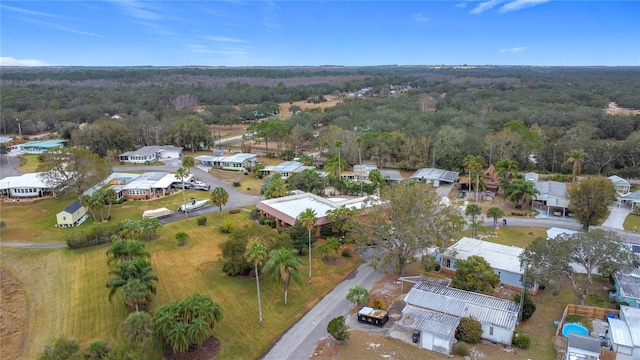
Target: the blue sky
(350, 33)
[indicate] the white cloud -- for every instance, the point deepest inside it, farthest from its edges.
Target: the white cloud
(420, 17)
(223, 39)
(138, 9)
(9, 61)
(486, 5)
(462, 4)
(520, 4)
(28, 12)
(514, 50)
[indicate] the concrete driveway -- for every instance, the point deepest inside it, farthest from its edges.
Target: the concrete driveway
(617, 216)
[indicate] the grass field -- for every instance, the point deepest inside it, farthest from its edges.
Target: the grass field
(66, 291)
(28, 163)
(632, 222)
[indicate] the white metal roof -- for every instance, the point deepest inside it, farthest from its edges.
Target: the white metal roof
(154, 180)
(531, 176)
(429, 321)
(502, 257)
(553, 192)
(620, 333)
(553, 232)
(484, 308)
(618, 181)
(24, 181)
(393, 175)
(629, 283)
(364, 168)
(287, 167)
(632, 317)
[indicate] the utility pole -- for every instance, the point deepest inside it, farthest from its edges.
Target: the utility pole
(19, 127)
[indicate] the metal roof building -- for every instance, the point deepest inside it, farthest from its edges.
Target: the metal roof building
(628, 287)
(624, 333)
(435, 175)
(499, 256)
(391, 175)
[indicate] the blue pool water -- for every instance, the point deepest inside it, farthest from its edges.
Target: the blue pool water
(574, 328)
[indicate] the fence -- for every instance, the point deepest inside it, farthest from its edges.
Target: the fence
(590, 312)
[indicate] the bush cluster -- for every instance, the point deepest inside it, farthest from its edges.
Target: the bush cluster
(100, 234)
(227, 227)
(521, 340)
(234, 211)
(469, 330)
(461, 348)
(202, 220)
(378, 304)
(346, 252)
(236, 184)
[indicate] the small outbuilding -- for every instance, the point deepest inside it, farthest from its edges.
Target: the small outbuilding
(72, 215)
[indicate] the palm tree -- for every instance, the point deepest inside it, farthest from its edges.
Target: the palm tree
(136, 268)
(282, 267)
(257, 254)
(124, 250)
(308, 219)
(334, 166)
(136, 295)
(85, 200)
(138, 327)
(495, 213)
(575, 156)
(521, 192)
(475, 163)
(507, 168)
(110, 196)
(359, 142)
(324, 250)
(219, 197)
(182, 174)
(338, 145)
(473, 210)
(188, 162)
(334, 246)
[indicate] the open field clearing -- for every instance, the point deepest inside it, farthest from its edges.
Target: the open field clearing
(66, 291)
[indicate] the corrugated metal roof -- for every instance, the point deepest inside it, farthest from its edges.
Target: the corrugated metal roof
(629, 283)
(554, 192)
(28, 180)
(156, 179)
(287, 167)
(435, 174)
(555, 231)
(620, 332)
(618, 181)
(393, 175)
(632, 317)
(501, 257)
(429, 321)
(484, 308)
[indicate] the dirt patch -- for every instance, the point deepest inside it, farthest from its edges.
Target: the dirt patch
(13, 314)
(614, 109)
(208, 350)
(206, 265)
(304, 105)
(386, 289)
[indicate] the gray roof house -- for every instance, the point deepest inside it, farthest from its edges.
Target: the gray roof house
(286, 169)
(435, 176)
(622, 186)
(624, 334)
(627, 285)
(149, 154)
(553, 194)
(237, 162)
(581, 347)
(432, 309)
(632, 198)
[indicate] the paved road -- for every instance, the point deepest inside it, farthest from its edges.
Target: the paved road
(34, 246)
(8, 166)
(301, 339)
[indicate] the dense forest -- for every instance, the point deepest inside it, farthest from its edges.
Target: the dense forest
(413, 116)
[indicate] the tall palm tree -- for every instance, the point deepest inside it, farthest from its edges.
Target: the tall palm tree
(308, 219)
(507, 168)
(257, 254)
(182, 174)
(219, 197)
(475, 163)
(110, 196)
(188, 162)
(575, 156)
(359, 142)
(282, 267)
(85, 200)
(338, 145)
(521, 192)
(124, 250)
(495, 213)
(473, 210)
(136, 268)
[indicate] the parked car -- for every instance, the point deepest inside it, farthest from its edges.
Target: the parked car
(179, 185)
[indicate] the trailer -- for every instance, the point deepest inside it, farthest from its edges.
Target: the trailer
(156, 213)
(193, 205)
(373, 316)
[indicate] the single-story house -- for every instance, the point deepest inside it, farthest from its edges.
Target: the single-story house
(286, 209)
(27, 185)
(624, 334)
(632, 198)
(581, 347)
(531, 176)
(391, 176)
(149, 154)
(286, 169)
(553, 195)
(237, 162)
(621, 185)
(150, 184)
(504, 259)
(627, 284)
(72, 215)
(426, 303)
(40, 146)
(359, 173)
(489, 176)
(435, 176)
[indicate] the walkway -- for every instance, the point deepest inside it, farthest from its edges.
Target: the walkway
(617, 216)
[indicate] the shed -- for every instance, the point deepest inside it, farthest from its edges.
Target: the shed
(72, 215)
(624, 334)
(580, 347)
(437, 330)
(531, 176)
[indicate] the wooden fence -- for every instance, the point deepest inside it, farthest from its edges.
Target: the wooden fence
(590, 312)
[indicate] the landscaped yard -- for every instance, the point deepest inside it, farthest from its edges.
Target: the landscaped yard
(66, 292)
(632, 222)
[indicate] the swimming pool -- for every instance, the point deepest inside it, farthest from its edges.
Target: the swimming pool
(574, 328)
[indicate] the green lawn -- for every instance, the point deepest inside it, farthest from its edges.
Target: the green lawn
(28, 163)
(632, 222)
(66, 291)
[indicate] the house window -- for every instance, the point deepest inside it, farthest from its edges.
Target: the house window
(64, 218)
(447, 263)
(491, 330)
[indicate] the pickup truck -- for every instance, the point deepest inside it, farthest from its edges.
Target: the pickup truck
(373, 316)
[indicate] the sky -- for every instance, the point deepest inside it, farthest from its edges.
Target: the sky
(314, 33)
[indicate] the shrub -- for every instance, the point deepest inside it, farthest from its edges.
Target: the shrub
(181, 238)
(428, 263)
(327, 230)
(378, 304)
(461, 348)
(469, 330)
(254, 214)
(202, 220)
(528, 307)
(99, 234)
(227, 227)
(246, 173)
(521, 340)
(236, 184)
(337, 327)
(346, 252)
(248, 188)
(262, 220)
(234, 211)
